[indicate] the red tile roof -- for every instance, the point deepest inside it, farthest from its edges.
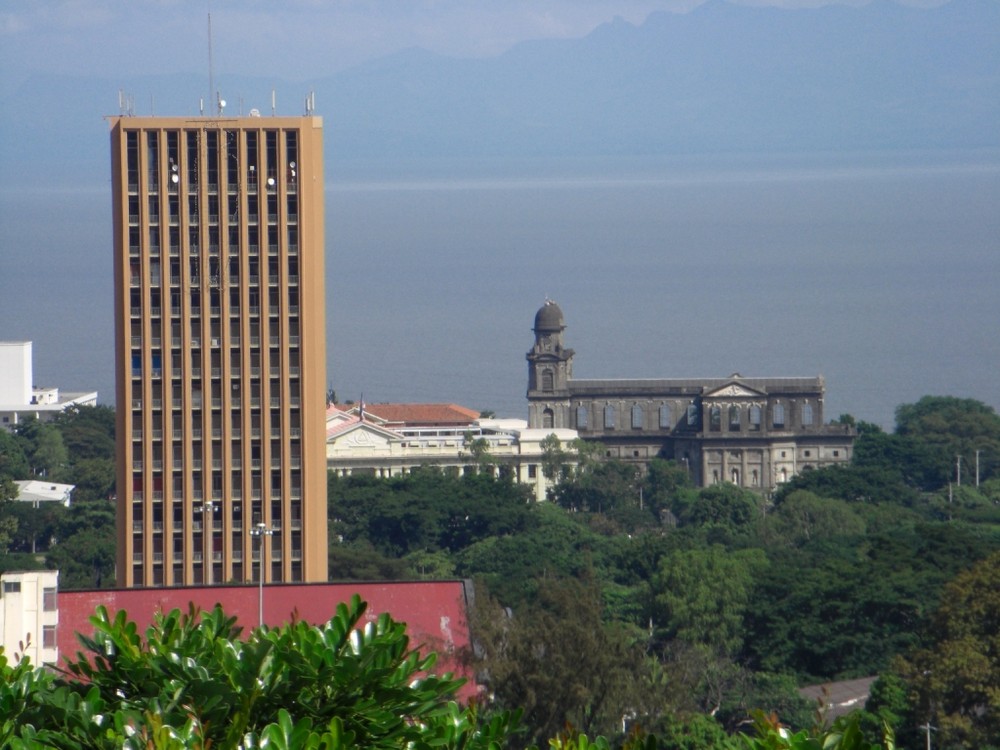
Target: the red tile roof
(419, 415)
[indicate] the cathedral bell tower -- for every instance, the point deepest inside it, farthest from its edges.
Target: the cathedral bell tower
(550, 368)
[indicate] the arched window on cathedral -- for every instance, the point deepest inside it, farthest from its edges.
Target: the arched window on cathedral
(609, 417)
(546, 380)
(807, 415)
(715, 418)
(582, 415)
(636, 417)
(754, 418)
(547, 419)
(665, 421)
(734, 418)
(778, 414)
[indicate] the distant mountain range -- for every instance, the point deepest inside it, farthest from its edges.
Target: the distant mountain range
(720, 78)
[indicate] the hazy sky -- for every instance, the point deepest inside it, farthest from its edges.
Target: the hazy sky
(290, 39)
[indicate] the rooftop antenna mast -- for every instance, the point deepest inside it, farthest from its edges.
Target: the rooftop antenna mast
(211, 67)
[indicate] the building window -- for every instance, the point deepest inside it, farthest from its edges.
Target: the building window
(547, 380)
(836, 454)
(636, 417)
(532, 471)
(548, 418)
(808, 454)
(609, 417)
(48, 636)
(779, 415)
(692, 415)
(12, 587)
(755, 419)
(715, 418)
(734, 418)
(807, 414)
(665, 421)
(581, 417)
(49, 599)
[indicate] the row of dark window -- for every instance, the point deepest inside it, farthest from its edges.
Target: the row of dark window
(735, 417)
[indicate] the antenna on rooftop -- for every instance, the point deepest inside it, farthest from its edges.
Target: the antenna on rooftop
(274, 103)
(126, 103)
(310, 102)
(211, 67)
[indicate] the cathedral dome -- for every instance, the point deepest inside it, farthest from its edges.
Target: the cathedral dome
(549, 318)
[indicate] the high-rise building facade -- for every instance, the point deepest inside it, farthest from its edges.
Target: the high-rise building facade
(220, 349)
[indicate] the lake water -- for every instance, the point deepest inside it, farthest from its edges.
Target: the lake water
(879, 272)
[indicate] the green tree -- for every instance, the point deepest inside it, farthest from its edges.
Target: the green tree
(945, 427)
(559, 661)
(36, 527)
(425, 510)
(803, 516)
(190, 682)
(955, 683)
(48, 455)
(8, 517)
(724, 512)
(700, 596)
(846, 733)
(85, 560)
(88, 432)
(555, 460)
(479, 450)
(360, 561)
(13, 462)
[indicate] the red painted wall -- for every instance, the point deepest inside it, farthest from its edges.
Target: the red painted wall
(434, 611)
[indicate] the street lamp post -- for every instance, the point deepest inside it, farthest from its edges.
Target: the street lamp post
(259, 532)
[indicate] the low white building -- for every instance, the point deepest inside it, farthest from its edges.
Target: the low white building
(20, 399)
(360, 442)
(35, 491)
(29, 615)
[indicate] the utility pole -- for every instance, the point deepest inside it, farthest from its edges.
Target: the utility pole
(977, 466)
(958, 470)
(928, 729)
(258, 532)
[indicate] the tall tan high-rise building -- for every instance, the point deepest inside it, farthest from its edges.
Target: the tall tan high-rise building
(220, 349)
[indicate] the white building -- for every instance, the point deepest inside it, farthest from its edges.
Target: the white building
(20, 399)
(35, 491)
(29, 615)
(360, 442)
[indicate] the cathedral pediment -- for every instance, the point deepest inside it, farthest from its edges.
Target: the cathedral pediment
(734, 390)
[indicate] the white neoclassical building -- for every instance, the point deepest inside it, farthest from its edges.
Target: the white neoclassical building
(387, 440)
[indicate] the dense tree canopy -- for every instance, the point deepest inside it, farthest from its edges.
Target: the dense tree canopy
(191, 682)
(955, 680)
(719, 599)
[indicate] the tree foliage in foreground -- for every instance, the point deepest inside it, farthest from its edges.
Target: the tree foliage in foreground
(955, 682)
(190, 682)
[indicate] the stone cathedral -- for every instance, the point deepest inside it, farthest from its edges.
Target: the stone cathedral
(754, 432)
